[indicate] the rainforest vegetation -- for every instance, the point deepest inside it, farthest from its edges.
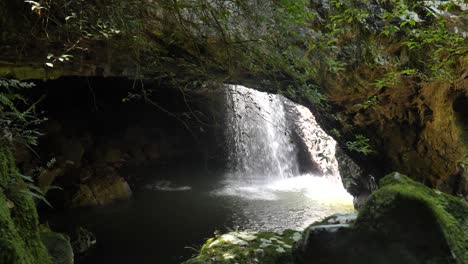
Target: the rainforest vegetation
(387, 79)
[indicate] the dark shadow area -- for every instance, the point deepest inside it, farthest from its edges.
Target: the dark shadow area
(112, 127)
(409, 233)
(460, 106)
(106, 139)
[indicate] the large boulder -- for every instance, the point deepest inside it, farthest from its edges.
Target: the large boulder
(59, 247)
(403, 222)
(323, 239)
(247, 248)
(101, 191)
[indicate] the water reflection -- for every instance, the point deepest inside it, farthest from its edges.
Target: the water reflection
(288, 203)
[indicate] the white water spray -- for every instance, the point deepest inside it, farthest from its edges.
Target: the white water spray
(264, 176)
(261, 149)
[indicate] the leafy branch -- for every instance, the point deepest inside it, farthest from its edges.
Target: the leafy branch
(361, 144)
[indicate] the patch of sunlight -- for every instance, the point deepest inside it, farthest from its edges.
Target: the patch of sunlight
(321, 189)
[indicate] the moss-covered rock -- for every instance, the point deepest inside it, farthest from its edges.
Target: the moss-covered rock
(409, 211)
(101, 191)
(402, 222)
(247, 248)
(58, 246)
(20, 241)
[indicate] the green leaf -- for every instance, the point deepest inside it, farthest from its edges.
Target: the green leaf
(35, 195)
(26, 178)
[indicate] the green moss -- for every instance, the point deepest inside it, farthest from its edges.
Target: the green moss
(404, 210)
(248, 247)
(403, 222)
(30, 73)
(58, 245)
(20, 242)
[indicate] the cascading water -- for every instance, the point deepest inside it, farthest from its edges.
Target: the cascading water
(266, 184)
(261, 148)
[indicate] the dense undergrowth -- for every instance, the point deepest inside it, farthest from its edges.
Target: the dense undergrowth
(293, 47)
(20, 241)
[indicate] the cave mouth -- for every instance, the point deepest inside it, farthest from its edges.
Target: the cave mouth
(460, 106)
(148, 123)
(174, 163)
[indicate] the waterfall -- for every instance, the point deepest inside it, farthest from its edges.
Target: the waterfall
(282, 170)
(271, 138)
(260, 146)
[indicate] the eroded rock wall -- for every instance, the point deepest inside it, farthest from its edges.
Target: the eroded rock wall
(413, 127)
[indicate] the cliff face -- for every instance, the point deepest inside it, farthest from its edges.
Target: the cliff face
(416, 128)
(387, 79)
(407, 100)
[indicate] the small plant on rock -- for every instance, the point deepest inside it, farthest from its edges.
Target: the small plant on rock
(361, 144)
(18, 122)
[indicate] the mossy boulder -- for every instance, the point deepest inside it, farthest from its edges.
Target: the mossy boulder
(20, 241)
(101, 191)
(402, 222)
(403, 207)
(247, 248)
(58, 246)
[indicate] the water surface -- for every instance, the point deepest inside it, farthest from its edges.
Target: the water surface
(167, 226)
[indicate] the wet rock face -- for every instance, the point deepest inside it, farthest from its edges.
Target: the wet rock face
(317, 145)
(403, 222)
(351, 174)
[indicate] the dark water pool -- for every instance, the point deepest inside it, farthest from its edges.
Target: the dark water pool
(153, 227)
(163, 226)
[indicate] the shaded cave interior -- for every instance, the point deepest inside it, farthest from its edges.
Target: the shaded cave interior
(103, 128)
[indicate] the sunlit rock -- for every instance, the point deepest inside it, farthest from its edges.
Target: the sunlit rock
(247, 248)
(319, 145)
